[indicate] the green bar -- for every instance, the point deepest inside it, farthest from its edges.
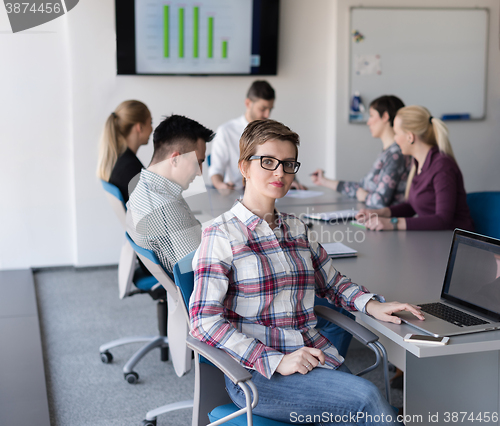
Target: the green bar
(224, 49)
(196, 25)
(166, 52)
(181, 32)
(210, 36)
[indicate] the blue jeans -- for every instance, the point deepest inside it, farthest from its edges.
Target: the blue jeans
(323, 397)
(337, 336)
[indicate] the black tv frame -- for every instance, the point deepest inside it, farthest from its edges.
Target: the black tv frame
(265, 29)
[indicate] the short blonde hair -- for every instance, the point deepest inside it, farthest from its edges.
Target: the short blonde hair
(258, 132)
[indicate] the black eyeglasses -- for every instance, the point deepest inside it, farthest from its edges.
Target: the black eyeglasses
(271, 163)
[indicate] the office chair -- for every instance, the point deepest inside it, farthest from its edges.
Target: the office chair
(211, 398)
(178, 327)
(129, 273)
(116, 201)
(485, 209)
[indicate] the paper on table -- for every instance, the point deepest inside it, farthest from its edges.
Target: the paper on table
(335, 215)
(298, 193)
(339, 250)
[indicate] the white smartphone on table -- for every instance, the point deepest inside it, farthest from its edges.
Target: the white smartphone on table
(426, 339)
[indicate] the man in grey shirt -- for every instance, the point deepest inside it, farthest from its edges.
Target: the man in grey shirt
(158, 217)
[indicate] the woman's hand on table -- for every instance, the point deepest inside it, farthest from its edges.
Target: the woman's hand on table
(384, 311)
(377, 223)
(301, 361)
(375, 219)
(318, 178)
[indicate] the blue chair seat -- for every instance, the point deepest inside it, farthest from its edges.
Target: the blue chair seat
(224, 410)
(143, 280)
(146, 283)
(484, 209)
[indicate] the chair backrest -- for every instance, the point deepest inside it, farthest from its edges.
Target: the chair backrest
(209, 389)
(149, 258)
(178, 320)
(116, 200)
(126, 270)
(485, 211)
(128, 258)
(184, 276)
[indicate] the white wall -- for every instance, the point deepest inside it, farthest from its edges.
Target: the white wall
(36, 189)
(476, 144)
(76, 65)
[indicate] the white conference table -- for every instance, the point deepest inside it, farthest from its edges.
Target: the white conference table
(461, 377)
(212, 202)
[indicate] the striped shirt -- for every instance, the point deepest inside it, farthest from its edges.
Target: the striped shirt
(159, 219)
(254, 289)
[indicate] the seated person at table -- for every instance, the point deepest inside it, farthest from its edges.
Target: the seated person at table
(256, 275)
(385, 184)
(158, 217)
(435, 188)
(224, 171)
(126, 129)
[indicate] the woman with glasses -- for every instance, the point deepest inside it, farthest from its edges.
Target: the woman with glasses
(256, 277)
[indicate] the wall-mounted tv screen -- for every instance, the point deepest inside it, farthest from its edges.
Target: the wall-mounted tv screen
(197, 37)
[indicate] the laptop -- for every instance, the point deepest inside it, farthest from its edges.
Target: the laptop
(470, 297)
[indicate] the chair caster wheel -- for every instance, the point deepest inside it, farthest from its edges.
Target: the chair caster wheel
(164, 354)
(106, 357)
(149, 422)
(131, 377)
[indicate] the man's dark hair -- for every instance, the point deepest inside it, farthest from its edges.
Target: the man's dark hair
(388, 103)
(261, 89)
(178, 132)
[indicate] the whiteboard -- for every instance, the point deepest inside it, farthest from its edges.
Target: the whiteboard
(436, 58)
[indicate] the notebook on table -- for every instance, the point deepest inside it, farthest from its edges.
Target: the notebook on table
(334, 216)
(336, 250)
(470, 296)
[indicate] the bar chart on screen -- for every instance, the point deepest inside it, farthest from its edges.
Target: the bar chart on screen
(212, 36)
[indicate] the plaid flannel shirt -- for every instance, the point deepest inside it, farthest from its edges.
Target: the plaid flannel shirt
(254, 289)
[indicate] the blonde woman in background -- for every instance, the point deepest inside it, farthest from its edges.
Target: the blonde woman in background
(127, 128)
(435, 189)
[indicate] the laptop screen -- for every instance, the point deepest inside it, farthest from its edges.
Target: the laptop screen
(473, 273)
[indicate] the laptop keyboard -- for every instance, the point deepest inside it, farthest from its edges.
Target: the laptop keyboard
(452, 315)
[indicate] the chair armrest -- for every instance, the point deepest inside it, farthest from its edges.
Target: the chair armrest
(220, 359)
(359, 332)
